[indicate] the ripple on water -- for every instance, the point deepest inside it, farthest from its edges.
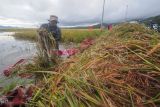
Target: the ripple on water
(12, 50)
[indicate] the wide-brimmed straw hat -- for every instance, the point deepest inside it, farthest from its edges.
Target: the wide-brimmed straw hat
(53, 18)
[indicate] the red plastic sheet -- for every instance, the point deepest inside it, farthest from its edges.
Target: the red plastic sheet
(68, 52)
(17, 98)
(7, 72)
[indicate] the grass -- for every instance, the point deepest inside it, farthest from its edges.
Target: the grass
(26, 34)
(115, 72)
(11, 82)
(78, 35)
(68, 35)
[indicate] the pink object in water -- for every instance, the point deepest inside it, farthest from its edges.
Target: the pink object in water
(7, 72)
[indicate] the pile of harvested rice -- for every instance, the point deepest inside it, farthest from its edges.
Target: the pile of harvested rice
(122, 69)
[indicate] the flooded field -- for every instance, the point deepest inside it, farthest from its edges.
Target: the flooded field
(12, 50)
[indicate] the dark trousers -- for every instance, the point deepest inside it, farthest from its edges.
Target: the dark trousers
(57, 45)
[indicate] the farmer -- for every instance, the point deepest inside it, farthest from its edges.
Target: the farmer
(49, 37)
(53, 29)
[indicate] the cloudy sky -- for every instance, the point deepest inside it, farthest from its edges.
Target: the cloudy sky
(29, 13)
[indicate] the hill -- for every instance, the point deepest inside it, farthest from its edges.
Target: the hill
(155, 19)
(95, 26)
(6, 27)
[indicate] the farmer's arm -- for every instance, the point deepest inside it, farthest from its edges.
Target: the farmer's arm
(56, 32)
(43, 27)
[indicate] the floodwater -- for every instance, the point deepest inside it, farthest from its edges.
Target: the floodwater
(12, 50)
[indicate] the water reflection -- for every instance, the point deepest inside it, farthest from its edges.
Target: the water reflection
(11, 50)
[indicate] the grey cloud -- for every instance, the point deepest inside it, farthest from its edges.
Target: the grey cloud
(72, 12)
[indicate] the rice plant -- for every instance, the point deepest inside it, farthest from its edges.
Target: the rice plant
(115, 72)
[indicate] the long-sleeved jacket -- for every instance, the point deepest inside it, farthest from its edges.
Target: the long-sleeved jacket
(55, 30)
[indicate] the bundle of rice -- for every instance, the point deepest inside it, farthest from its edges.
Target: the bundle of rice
(122, 69)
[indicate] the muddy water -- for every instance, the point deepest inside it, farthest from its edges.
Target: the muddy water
(12, 50)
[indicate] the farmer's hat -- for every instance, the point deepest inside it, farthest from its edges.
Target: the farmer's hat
(53, 18)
